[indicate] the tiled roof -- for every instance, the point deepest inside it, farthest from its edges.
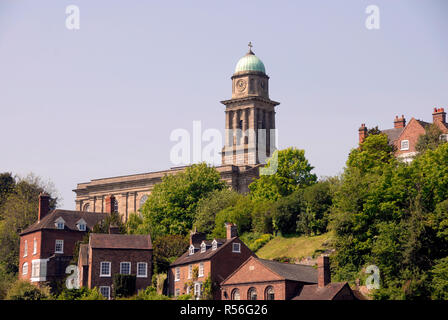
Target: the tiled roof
(198, 255)
(70, 217)
(313, 292)
(120, 241)
(290, 271)
(393, 134)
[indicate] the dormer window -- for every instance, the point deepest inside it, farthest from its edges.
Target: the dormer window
(191, 250)
(59, 223)
(81, 225)
(203, 247)
(214, 244)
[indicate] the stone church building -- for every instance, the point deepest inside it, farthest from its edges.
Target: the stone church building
(249, 141)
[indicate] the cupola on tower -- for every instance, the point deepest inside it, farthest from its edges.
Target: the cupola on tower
(250, 114)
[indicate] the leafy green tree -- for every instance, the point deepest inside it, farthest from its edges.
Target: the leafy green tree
(430, 140)
(171, 206)
(439, 282)
(7, 183)
(167, 249)
(317, 201)
(18, 211)
(239, 214)
(209, 206)
(286, 212)
(293, 172)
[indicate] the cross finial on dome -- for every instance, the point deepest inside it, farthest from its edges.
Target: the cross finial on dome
(250, 47)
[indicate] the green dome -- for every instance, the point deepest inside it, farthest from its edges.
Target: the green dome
(250, 62)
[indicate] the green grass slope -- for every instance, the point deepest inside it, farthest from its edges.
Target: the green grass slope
(295, 247)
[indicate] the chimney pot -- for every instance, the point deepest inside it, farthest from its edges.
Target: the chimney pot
(439, 115)
(399, 122)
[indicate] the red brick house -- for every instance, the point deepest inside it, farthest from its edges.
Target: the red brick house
(405, 136)
(47, 246)
(217, 258)
(259, 279)
(108, 254)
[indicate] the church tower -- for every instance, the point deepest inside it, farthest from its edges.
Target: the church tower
(250, 115)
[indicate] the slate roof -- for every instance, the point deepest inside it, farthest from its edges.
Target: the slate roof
(120, 241)
(186, 258)
(393, 134)
(290, 271)
(70, 218)
(313, 292)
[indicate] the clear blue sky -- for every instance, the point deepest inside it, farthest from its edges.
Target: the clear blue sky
(102, 101)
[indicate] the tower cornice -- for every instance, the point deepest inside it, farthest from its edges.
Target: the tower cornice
(248, 99)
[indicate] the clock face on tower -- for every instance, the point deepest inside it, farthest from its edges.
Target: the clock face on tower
(241, 85)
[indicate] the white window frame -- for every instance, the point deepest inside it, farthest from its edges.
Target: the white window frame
(177, 274)
(234, 248)
(25, 248)
(61, 243)
(405, 147)
(108, 291)
(191, 250)
(35, 246)
(201, 269)
(81, 225)
(101, 268)
(138, 270)
(59, 223)
(190, 271)
(38, 270)
(125, 263)
(214, 244)
(25, 268)
(177, 292)
(203, 247)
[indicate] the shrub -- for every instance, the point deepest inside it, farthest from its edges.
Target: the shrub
(23, 290)
(124, 285)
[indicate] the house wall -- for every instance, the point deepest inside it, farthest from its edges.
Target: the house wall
(115, 256)
(279, 290)
(183, 280)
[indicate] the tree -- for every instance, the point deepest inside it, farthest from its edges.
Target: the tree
(430, 140)
(439, 281)
(315, 211)
(239, 214)
(171, 206)
(168, 248)
(209, 206)
(286, 211)
(293, 172)
(19, 210)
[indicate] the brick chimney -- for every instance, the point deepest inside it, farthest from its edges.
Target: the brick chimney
(114, 229)
(399, 122)
(110, 202)
(196, 237)
(323, 271)
(439, 114)
(231, 230)
(44, 205)
(362, 133)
